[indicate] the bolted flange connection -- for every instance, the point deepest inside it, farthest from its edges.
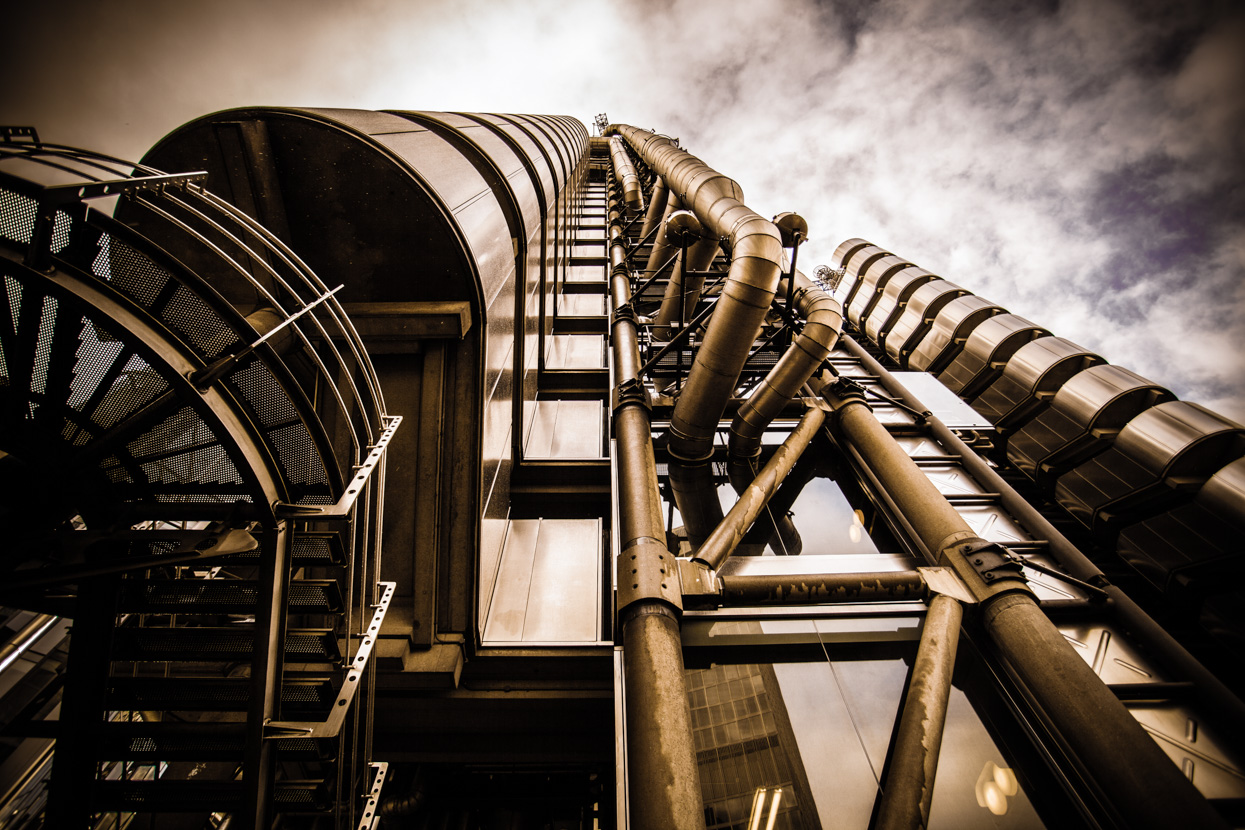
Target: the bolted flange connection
(646, 571)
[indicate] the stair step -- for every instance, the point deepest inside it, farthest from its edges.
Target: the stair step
(204, 741)
(309, 549)
(309, 695)
(164, 796)
(223, 596)
(207, 644)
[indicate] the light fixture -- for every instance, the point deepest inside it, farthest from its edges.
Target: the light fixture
(994, 786)
(758, 808)
(856, 530)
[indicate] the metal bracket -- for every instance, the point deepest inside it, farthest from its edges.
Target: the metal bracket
(344, 505)
(993, 562)
(12, 134)
(629, 393)
(64, 193)
(698, 584)
(844, 387)
(945, 581)
(648, 570)
(329, 727)
(624, 313)
(371, 806)
(919, 417)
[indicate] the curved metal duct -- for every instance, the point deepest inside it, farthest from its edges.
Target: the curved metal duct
(755, 269)
(633, 197)
(657, 201)
(823, 323)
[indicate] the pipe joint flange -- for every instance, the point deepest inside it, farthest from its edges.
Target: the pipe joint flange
(630, 392)
(625, 313)
(845, 389)
(646, 571)
(993, 562)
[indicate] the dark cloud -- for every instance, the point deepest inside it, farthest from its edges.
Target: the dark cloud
(1081, 162)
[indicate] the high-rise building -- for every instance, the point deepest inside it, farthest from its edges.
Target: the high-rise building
(421, 470)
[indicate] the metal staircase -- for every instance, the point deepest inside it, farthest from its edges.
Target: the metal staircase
(193, 449)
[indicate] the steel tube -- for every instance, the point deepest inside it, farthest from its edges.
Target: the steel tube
(811, 589)
(663, 780)
(662, 255)
(756, 256)
(730, 532)
(1218, 700)
(656, 207)
(662, 775)
(624, 171)
(913, 763)
(696, 496)
(1147, 789)
(687, 280)
(24, 639)
(824, 321)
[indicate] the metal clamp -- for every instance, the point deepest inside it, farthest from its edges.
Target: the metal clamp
(843, 387)
(630, 392)
(993, 562)
(648, 570)
(624, 313)
(698, 584)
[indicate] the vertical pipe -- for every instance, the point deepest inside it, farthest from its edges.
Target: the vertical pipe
(662, 773)
(913, 763)
(686, 282)
(663, 780)
(624, 171)
(656, 207)
(267, 663)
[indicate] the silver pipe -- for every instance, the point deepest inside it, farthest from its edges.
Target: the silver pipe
(683, 291)
(696, 496)
(24, 639)
(824, 322)
(663, 784)
(730, 531)
(657, 201)
(663, 252)
(756, 265)
(624, 171)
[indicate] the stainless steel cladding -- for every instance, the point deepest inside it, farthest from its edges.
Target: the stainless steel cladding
(917, 316)
(872, 282)
(1159, 547)
(1165, 451)
(1030, 379)
(951, 327)
(1083, 419)
(899, 289)
(986, 352)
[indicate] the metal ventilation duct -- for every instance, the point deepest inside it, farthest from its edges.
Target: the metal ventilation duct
(756, 256)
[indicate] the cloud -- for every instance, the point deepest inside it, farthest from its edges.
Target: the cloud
(1079, 162)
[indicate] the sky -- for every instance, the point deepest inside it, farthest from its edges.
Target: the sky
(1080, 163)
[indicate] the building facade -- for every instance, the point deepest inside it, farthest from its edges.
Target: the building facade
(417, 470)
